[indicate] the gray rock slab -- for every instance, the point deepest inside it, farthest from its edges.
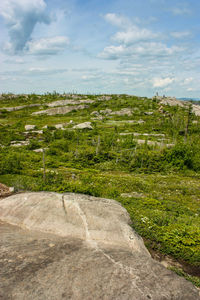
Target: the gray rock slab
(73, 246)
(19, 107)
(59, 110)
(85, 125)
(30, 127)
(69, 102)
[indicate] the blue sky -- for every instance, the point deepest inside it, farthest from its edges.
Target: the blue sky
(135, 47)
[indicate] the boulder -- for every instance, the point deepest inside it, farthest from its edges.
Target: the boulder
(39, 150)
(73, 246)
(59, 126)
(85, 125)
(30, 127)
(148, 113)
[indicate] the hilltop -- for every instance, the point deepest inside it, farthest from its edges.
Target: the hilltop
(142, 152)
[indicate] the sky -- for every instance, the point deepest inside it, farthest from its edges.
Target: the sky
(136, 47)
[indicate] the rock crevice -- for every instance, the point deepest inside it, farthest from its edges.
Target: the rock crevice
(76, 247)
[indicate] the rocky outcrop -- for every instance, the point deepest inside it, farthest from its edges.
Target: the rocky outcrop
(69, 102)
(172, 101)
(59, 110)
(19, 107)
(85, 125)
(196, 109)
(76, 247)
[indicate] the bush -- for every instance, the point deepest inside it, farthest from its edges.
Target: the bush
(10, 163)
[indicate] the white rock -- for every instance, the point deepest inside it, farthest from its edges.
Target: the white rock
(30, 127)
(85, 125)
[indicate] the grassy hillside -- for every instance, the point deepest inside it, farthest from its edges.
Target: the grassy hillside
(139, 152)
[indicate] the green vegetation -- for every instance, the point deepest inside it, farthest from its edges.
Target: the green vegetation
(148, 161)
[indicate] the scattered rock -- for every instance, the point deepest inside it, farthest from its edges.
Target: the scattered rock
(33, 131)
(144, 134)
(59, 126)
(140, 121)
(85, 125)
(78, 247)
(148, 113)
(38, 150)
(19, 143)
(30, 127)
(153, 143)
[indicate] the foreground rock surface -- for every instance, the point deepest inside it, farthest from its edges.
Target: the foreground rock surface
(74, 246)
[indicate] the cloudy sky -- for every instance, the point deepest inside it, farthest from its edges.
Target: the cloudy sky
(135, 47)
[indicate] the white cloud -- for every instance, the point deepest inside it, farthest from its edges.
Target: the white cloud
(180, 34)
(188, 80)
(116, 20)
(43, 71)
(47, 46)
(113, 52)
(17, 60)
(133, 35)
(162, 82)
(21, 16)
(181, 10)
(147, 49)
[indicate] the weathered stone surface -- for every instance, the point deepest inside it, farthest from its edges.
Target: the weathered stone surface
(69, 102)
(106, 111)
(154, 143)
(19, 143)
(85, 125)
(30, 127)
(19, 107)
(172, 101)
(76, 247)
(196, 109)
(59, 110)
